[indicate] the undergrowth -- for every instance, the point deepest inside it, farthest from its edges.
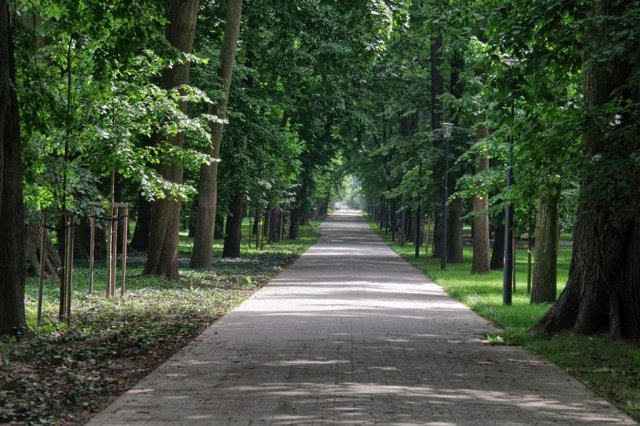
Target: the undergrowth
(64, 373)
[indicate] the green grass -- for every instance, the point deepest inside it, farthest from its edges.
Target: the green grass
(611, 369)
(566, 236)
(63, 373)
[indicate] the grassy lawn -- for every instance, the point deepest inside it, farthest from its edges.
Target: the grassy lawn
(611, 369)
(64, 373)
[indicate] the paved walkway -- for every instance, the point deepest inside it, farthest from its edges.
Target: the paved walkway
(351, 334)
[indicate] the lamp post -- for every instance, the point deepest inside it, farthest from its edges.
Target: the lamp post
(418, 212)
(507, 278)
(417, 239)
(446, 131)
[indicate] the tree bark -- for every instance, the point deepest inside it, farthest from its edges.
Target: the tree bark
(12, 230)
(33, 245)
(208, 185)
(162, 256)
(275, 224)
(233, 234)
(455, 249)
(497, 254)
(544, 285)
(266, 226)
(437, 233)
(82, 240)
(294, 225)
(256, 222)
(437, 89)
(408, 223)
(140, 239)
(603, 290)
(480, 263)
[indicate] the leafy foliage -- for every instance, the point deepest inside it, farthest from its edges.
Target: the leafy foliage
(89, 99)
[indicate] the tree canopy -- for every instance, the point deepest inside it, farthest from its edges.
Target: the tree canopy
(121, 101)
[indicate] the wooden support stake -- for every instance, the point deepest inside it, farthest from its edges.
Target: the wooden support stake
(258, 231)
(426, 235)
(69, 256)
(109, 251)
(114, 250)
(529, 263)
(92, 246)
(125, 229)
(43, 222)
(513, 245)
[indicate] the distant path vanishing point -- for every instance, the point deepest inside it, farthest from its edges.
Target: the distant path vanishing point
(351, 334)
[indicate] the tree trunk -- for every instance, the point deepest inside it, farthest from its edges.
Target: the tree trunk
(208, 185)
(497, 254)
(454, 240)
(275, 224)
(603, 290)
(437, 234)
(480, 263)
(140, 239)
(285, 222)
(266, 226)
(162, 256)
(12, 230)
(82, 240)
(293, 226)
(393, 223)
(33, 245)
(256, 223)
(233, 234)
(545, 269)
(408, 223)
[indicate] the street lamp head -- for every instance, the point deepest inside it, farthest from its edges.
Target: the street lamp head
(511, 62)
(447, 128)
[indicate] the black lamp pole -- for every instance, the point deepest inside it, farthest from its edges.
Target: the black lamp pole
(418, 211)
(507, 279)
(446, 130)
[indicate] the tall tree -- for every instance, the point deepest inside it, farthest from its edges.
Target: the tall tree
(544, 286)
(497, 253)
(208, 187)
(12, 228)
(480, 263)
(437, 89)
(162, 257)
(233, 231)
(603, 290)
(455, 245)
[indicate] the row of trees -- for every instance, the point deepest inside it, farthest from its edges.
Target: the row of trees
(199, 112)
(560, 80)
(194, 112)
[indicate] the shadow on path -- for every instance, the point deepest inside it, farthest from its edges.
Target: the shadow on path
(352, 334)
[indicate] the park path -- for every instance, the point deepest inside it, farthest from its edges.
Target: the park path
(351, 334)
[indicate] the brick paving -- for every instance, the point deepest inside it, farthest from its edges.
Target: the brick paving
(351, 334)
